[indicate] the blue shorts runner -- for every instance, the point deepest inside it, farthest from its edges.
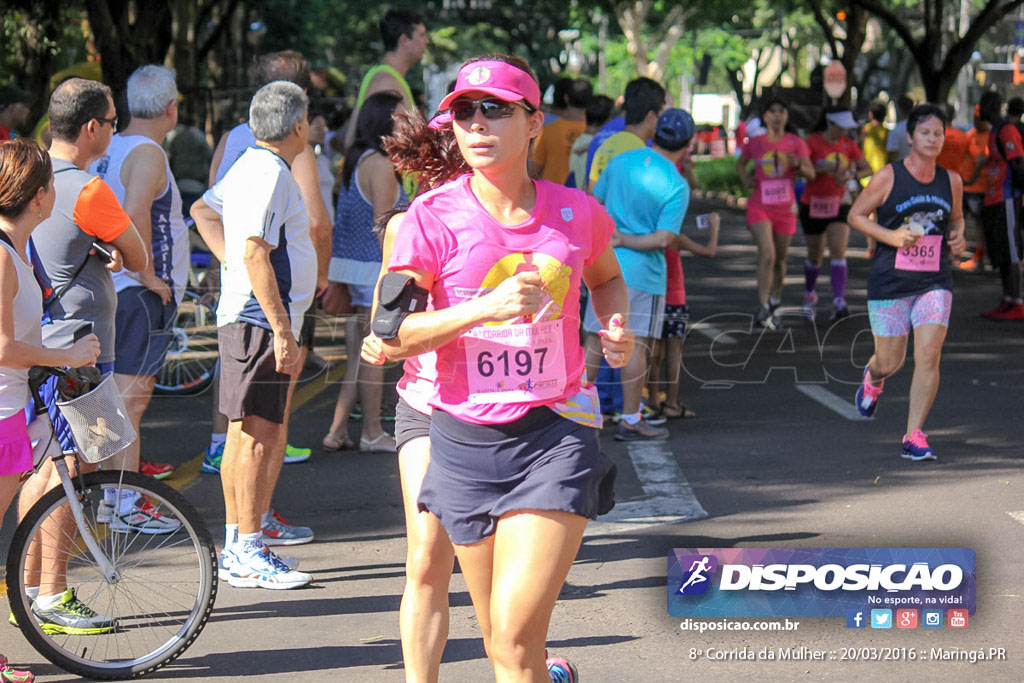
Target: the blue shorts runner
(646, 314)
(542, 461)
(144, 328)
(895, 317)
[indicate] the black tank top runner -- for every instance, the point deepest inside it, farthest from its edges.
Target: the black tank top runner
(929, 205)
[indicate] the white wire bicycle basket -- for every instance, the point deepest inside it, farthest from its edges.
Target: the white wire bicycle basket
(99, 422)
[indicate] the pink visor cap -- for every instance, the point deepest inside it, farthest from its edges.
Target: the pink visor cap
(500, 79)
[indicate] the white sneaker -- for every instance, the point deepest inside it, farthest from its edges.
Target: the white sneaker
(264, 570)
(105, 512)
(143, 519)
(227, 561)
(808, 310)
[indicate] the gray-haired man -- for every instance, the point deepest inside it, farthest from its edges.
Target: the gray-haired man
(255, 222)
(136, 169)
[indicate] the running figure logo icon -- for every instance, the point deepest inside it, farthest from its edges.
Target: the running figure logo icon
(696, 580)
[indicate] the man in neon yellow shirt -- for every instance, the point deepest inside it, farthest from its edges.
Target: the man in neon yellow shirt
(644, 102)
(405, 42)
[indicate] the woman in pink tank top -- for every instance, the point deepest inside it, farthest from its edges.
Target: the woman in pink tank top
(511, 464)
(778, 157)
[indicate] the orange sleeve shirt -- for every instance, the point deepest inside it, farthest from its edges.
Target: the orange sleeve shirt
(954, 150)
(554, 146)
(978, 144)
(98, 213)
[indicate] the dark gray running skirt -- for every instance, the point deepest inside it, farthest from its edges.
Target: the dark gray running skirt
(542, 461)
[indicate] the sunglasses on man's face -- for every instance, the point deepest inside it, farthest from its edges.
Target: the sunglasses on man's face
(464, 110)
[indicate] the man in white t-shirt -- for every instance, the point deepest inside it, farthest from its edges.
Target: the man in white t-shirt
(255, 222)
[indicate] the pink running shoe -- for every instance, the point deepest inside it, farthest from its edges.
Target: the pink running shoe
(561, 670)
(916, 448)
(867, 395)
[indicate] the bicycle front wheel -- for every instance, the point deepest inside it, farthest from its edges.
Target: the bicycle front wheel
(126, 625)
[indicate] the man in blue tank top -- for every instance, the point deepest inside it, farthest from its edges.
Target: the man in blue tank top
(136, 169)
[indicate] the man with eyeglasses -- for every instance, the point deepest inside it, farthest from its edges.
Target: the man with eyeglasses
(79, 296)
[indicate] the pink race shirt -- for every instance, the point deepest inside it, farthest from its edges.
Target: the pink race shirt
(416, 386)
(495, 373)
(844, 151)
(773, 174)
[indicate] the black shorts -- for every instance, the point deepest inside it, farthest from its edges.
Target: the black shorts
(250, 385)
(143, 330)
(816, 226)
(676, 318)
(974, 202)
(308, 331)
(1001, 225)
(409, 424)
(541, 461)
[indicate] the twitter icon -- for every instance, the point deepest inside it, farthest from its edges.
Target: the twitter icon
(881, 618)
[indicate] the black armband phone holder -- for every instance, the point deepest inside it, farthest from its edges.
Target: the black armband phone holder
(398, 296)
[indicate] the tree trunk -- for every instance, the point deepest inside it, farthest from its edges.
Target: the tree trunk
(632, 18)
(129, 35)
(40, 29)
(938, 71)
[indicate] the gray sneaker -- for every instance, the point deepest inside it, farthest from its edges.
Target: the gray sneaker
(72, 617)
(641, 431)
(276, 531)
(765, 317)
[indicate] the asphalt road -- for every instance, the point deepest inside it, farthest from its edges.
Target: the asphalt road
(770, 460)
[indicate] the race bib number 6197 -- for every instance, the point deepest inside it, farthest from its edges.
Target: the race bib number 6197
(518, 363)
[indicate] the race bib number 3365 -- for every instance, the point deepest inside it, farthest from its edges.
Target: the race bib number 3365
(923, 256)
(518, 363)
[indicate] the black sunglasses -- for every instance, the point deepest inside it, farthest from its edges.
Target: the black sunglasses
(464, 110)
(112, 122)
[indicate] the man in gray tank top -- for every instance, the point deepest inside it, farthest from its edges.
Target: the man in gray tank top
(82, 121)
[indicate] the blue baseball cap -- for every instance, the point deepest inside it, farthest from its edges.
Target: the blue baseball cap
(675, 129)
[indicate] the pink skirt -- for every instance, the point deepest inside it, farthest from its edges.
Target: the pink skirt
(15, 446)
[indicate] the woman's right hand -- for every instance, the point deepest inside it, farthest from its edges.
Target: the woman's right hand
(84, 352)
(903, 238)
(515, 297)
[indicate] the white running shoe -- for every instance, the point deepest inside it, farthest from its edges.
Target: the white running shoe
(264, 570)
(143, 518)
(808, 310)
(226, 560)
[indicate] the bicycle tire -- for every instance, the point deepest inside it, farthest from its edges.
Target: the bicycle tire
(190, 364)
(81, 654)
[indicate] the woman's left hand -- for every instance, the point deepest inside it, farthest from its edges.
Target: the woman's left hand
(616, 342)
(956, 242)
(373, 350)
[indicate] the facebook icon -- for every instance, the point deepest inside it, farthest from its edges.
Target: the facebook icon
(855, 618)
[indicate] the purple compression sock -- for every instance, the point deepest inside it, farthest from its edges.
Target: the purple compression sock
(810, 276)
(838, 273)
